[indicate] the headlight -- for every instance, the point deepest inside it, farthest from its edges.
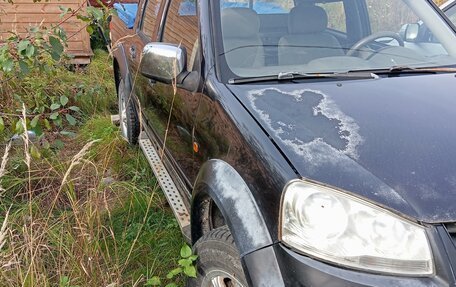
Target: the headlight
(347, 230)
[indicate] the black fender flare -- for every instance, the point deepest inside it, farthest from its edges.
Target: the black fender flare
(223, 184)
(120, 57)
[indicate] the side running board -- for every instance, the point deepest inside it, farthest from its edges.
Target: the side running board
(166, 183)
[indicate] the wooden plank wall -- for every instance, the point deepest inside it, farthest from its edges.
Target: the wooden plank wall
(181, 29)
(150, 24)
(118, 30)
(23, 14)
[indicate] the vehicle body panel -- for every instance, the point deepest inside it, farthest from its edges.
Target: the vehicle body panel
(224, 131)
(361, 136)
(121, 64)
(170, 111)
(300, 270)
(221, 182)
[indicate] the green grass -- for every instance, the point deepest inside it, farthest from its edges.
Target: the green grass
(142, 208)
(88, 213)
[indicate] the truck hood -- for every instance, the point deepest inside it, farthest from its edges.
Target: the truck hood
(390, 140)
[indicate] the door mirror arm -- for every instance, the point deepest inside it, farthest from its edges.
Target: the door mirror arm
(189, 81)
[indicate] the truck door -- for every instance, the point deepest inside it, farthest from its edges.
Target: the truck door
(146, 31)
(167, 110)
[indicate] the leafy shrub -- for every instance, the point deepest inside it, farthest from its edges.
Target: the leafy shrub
(186, 268)
(24, 59)
(34, 74)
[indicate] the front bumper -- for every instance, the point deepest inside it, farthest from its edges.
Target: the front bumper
(277, 266)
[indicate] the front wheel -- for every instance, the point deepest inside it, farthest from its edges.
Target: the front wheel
(129, 124)
(218, 264)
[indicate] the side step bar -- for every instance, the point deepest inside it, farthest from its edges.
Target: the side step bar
(166, 183)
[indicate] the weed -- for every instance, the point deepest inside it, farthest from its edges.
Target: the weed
(186, 268)
(78, 206)
(88, 214)
(76, 229)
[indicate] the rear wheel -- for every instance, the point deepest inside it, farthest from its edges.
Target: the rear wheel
(129, 124)
(218, 264)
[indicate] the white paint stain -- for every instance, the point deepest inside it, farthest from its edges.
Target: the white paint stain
(316, 151)
(289, 126)
(329, 109)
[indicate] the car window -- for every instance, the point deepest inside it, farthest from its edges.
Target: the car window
(181, 28)
(261, 6)
(389, 15)
(451, 13)
(151, 9)
(336, 15)
(374, 38)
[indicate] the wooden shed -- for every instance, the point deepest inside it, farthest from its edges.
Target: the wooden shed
(21, 14)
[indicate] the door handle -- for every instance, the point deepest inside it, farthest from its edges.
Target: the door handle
(132, 52)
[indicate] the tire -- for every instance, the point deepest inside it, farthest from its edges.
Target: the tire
(129, 124)
(218, 261)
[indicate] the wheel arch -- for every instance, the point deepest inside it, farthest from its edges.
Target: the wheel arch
(121, 67)
(117, 76)
(219, 182)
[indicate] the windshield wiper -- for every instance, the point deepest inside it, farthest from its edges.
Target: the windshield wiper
(288, 76)
(411, 70)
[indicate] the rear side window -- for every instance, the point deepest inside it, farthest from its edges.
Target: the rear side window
(149, 21)
(336, 15)
(181, 28)
(261, 6)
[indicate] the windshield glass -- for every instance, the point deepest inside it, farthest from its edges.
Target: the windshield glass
(266, 37)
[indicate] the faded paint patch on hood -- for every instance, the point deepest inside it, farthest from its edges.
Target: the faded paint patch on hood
(309, 123)
(390, 140)
(341, 136)
(321, 141)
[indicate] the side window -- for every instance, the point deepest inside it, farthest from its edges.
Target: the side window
(150, 17)
(336, 15)
(181, 27)
(261, 6)
(451, 13)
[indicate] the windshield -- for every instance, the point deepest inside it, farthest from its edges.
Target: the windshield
(267, 37)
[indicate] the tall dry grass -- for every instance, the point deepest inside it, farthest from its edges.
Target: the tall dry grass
(82, 216)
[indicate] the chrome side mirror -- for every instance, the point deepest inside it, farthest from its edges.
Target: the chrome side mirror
(167, 63)
(163, 62)
(411, 32)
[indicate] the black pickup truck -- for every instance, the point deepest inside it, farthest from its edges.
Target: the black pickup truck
(299, 142)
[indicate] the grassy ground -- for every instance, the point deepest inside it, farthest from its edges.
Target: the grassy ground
(88, 211)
